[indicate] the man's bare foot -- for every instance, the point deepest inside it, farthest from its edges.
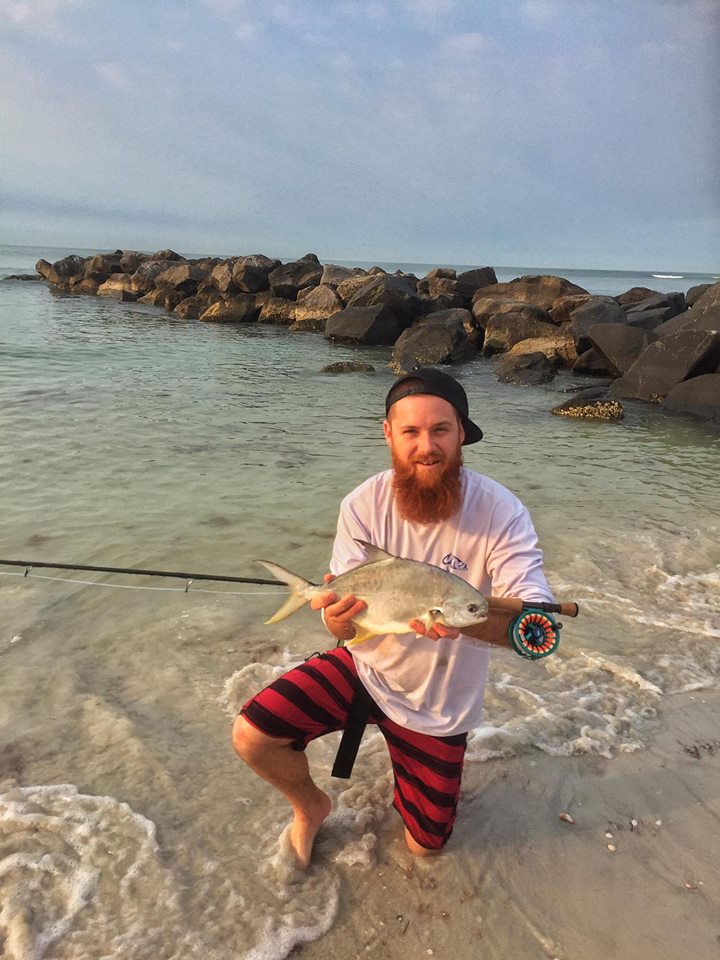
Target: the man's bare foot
(414, 847)
(305, 826)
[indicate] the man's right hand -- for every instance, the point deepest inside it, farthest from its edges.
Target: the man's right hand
(338, 612)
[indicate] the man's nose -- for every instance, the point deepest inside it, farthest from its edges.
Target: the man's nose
(426, 443)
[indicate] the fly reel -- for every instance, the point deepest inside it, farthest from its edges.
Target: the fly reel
(534, 634)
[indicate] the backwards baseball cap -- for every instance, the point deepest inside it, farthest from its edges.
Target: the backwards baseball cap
(428, 380)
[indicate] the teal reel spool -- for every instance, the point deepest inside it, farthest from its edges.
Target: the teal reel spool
(534, 634)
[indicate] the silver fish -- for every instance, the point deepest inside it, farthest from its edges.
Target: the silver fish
(396, 591)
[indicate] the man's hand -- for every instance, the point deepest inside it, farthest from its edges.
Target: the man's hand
(338, 611)
(436, 631)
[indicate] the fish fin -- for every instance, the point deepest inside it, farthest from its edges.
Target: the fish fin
(374, 553)
(361, 633)
(295, 583)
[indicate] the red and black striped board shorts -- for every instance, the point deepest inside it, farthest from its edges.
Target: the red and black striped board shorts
(314, 699)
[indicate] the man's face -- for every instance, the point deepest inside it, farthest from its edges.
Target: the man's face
(424, 434)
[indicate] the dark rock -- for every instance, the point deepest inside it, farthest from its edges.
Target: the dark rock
(694, 293)
(119, 286)
(240, 309)
(61, 271)
(443, 301)
(87, 285)
(308, 325)
(288, 280)
(635, 295)
(485, 309)
(163, 297)
(310, 257)
(377, 272)
(103, 264)
(671, 303)
(221, 277)
(442, 273)
(619, 345)
(528, 369)
(131, 260)
(667, 362)
(192, 307)
(183, 278)
(543, 291)
(316, 303)
(372, 325)
(166, 255)
(252, 274)
(347, 289)
(24, 276)
(647, 319)
(559, 348)
(592, 404)
(699, 396)
(504, 330)
(470, 281)
(144, 276)
(333, 275)
(592, 363)
(705, 314)
(397, 293)
(563, 307)
(436, 339)
(595, 310)
(278, 310)
(348, 366)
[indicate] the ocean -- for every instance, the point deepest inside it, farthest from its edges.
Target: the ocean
(133, 438)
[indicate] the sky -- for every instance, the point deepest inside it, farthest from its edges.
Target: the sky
(575, 133)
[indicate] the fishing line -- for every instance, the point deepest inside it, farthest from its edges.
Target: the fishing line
(132, 586)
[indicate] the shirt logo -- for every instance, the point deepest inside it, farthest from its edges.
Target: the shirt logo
(453, 562)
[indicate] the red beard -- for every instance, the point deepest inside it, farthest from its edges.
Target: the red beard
(427, 499)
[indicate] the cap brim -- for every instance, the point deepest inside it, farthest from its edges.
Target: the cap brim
(473, 433)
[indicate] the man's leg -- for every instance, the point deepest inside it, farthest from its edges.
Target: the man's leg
(274, 727)
(427, 772)
(287, 770)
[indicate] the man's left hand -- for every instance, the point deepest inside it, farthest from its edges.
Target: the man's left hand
(436, 631)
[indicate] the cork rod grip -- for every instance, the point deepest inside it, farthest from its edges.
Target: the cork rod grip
(515, 605)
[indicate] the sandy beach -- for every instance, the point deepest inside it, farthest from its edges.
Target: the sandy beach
(635, 876)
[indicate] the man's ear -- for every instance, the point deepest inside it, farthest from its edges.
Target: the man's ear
(387, 431)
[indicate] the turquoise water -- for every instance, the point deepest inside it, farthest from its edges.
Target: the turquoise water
(130, 437)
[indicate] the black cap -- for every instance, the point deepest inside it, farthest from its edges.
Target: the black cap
(438, 384)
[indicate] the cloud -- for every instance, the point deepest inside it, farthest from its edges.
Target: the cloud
(465, 44)
(41, 17)
(114, 74)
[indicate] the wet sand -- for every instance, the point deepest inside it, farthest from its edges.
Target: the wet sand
(517, 881)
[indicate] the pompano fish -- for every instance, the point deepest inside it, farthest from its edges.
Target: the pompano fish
(396, 591)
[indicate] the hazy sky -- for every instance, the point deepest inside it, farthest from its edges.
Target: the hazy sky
(576, 133)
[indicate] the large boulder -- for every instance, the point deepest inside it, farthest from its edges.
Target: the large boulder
(528, 369)
(438, 338)
(705, 313)
(278, 310)
(563, 307)
(592, 363)
(445, 273)
(61, 271)
(619, 345)
(240, 309)
(595, 310)
(191, 308)
(221, 277)
(183, 277)
(469, 281)
(102, 265)
(166, 255)
(484, 309)
(694, 293)
(147, 272)
(334, 275)
(635, 295)
(252, 274)
(543, 291)
(376, 325)
(289, 279)
(504, 330)
(663, 305)
(119, 286)
(699, 396)
(167, 299)
(317, 303)
(667, 362)
(397, 293)
(559, 348)
(347, 289)
(131, 260)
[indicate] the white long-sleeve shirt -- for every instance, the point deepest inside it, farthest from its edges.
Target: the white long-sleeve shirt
(437, 686)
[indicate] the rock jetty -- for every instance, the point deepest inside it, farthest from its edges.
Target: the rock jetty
(657, 348)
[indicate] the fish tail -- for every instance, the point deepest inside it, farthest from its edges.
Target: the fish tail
(295, 583)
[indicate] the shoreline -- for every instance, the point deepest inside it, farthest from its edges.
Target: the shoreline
(516, 880)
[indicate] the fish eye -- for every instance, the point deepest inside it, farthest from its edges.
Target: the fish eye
(473, 608)
(435, 612)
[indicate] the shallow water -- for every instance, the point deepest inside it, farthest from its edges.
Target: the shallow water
(132, 438)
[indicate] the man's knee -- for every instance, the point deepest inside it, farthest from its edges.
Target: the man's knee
(250, 743)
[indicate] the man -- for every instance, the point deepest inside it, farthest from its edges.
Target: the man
(426, 685)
